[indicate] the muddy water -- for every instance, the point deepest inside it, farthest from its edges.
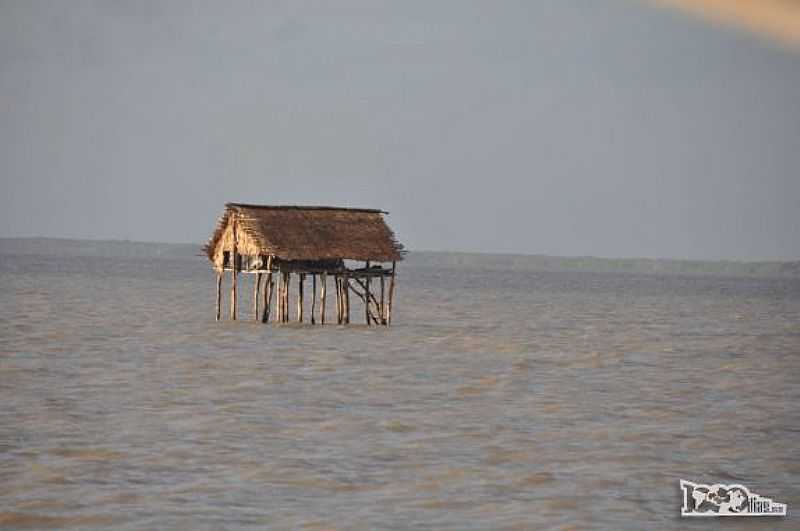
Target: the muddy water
(498, 399)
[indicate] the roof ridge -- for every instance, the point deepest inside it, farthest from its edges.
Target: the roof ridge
(305, 207)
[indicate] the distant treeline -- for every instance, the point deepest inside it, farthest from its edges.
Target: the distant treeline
(514, 262)
(99, 248)
(520, 262)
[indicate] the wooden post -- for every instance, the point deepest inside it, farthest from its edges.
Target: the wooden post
(256, 290)
(339, 300)
(270, 292)
(277, 289)
(282, 282)
(366, 293)
(301, 278)
(233, 294)
(219, 292)
(285, 301)
(287, 282)
(313, 297)
(279, 298)
(281, 288)
(267, 292)
(382, 309)
(286, 296)
(336, 290)
(346, 296)
(391, 296)
(324, 279)
(233, 276)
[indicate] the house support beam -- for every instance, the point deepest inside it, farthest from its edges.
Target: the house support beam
(338, 282)
(256, 293)
(323, 277)
(233, 286)
(286, 296)
(219, 293)
(366, 294)
(287, 281)
(267, 292)
(313, 298)
(364, 299)
(279, 298)
(346, 294)
(368, 297)
(274, 278)
(391, 296)
(301, 279)
(382, 309)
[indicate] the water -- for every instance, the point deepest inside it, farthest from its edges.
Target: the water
(498, 399)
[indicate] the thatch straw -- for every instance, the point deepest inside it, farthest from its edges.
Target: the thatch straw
(304, 233)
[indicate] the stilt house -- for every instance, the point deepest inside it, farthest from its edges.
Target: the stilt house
(275, 242)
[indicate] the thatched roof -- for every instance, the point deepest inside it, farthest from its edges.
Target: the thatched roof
(307, 233)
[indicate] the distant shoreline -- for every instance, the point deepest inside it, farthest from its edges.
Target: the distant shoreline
(514, 262)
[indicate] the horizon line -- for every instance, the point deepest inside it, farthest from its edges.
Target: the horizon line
(411, 251)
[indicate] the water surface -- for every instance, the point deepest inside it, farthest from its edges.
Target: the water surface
(498, 399)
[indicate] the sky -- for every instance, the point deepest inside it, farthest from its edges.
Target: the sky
(561, 127)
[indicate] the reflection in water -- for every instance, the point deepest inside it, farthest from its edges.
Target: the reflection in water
(499, 399)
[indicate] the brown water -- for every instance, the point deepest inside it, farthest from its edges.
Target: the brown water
(498, 399)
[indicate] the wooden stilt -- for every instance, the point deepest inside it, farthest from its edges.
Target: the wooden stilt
(382, 309)
(234, 271)
(279, 298)
(336, 291)
(270, 293)
(233, 295)
(219, 293)
(346, 293)
(324, 280)
(339, 300)
(267, 292)
(301, 278)
(287, 279)
(313, 298)
(256, 292)
(281, 289)
(233, 288)
(391, 296)
(277, 290)
(286, 296)
(366, 294)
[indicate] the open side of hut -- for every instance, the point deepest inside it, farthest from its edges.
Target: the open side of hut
(274, 242)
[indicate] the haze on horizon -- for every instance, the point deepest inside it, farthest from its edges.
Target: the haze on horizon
(554, 127)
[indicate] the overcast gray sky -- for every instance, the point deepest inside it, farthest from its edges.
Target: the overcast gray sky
(557, 127)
